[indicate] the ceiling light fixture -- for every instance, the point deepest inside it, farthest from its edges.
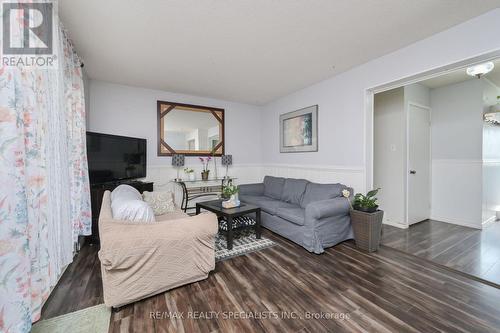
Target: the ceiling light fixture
(480, 70)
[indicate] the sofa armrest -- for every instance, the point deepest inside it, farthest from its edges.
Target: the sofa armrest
(326, 208)
(251, 189)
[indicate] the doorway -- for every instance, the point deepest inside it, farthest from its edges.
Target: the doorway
(419, 163)
(436, 143)
(402, 154)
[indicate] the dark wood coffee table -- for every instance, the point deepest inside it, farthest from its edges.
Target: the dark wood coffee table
(215, 206)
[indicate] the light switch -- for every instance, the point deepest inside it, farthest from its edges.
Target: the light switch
(393, 147)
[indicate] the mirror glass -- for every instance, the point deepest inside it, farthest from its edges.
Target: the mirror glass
(190, 130)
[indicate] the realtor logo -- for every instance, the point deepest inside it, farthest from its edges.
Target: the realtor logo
(27, 34)
(27, 28)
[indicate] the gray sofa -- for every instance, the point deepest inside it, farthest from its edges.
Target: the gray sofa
(315, 216)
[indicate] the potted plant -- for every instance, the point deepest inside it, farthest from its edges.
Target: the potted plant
(205, 171)
(190, 173)
(366, 220)
(230, 191)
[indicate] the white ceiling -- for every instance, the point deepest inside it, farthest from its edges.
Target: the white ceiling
(460, 76)
(251, 51)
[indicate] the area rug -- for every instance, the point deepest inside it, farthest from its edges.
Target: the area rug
(243, 243)
(94, 319)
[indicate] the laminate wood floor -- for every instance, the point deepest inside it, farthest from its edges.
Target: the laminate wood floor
(471, 251)
(387, 291)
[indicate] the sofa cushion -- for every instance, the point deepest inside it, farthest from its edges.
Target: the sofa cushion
(267, 204)
(293, 190)
(273, 187)
(252, 199)
(175, 215)
(295, 214)
(316, 192)
(271, 206)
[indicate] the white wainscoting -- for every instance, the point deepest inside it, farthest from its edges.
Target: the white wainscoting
(162, 175)
(350, 176)
(457, 192)
(491, 190)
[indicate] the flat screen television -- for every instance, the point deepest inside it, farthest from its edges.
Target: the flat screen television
(113, 158)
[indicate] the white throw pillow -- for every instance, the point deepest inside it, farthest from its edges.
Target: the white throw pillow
(125, 205)
(161, 202)
(125, 192)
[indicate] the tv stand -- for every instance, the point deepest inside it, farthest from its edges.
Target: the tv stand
(96, 194)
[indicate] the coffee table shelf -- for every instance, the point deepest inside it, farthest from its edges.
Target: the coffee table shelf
(215, 206)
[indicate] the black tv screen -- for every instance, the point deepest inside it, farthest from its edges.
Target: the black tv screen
(113, 157)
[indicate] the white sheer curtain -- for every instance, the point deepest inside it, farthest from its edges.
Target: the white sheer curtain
(44, 187)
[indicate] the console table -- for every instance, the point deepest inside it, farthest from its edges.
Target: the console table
(193, 189)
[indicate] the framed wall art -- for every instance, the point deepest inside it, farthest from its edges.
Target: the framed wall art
(299, 130)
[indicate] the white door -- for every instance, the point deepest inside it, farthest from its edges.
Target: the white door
(419, 164)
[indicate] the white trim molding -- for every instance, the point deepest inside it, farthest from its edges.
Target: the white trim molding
(491, 162)
(464, 223)
(352, 176)
(489, 221)
(338, 168)
(458, 161)
(394, 224)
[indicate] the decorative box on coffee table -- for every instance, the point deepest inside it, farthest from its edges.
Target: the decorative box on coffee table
(236, 217)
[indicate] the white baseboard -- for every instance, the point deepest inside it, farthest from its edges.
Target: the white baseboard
(393, 224)
(463, 223)
(489, 221)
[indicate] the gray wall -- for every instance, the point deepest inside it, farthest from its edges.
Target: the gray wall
(343, 123)
(131, 111)
(389, 154)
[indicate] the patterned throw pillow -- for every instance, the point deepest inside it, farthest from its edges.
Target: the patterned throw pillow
(161, 202)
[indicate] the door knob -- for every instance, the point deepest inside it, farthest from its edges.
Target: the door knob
(412, 172)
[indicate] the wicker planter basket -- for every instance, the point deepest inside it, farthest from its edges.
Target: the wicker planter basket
(367, 228)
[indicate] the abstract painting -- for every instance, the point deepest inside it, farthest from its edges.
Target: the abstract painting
(299, 130)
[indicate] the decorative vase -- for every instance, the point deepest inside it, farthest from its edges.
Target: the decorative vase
(232, 202)
(204, 174)
(367, 228)
(191, 176)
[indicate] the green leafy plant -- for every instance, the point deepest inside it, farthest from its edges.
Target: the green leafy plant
(188, 170)
(366, 203)
(229, 190)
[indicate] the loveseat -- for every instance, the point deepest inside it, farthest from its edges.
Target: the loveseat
(315, 216)
(139, 259)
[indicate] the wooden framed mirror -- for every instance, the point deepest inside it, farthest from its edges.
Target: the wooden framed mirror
(191, 130)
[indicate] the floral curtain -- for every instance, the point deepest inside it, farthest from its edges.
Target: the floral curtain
(44, 186)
